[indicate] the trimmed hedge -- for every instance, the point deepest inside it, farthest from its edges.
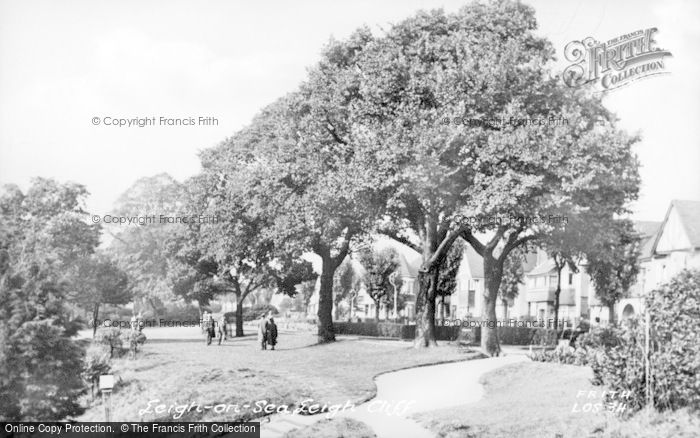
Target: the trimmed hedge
(519, 336)
(391, 330)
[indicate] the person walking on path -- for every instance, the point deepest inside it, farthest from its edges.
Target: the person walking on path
(262, 332)
(222, 328)
(209, 327)
(271, 330)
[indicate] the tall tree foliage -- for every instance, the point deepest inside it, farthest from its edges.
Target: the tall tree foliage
(96, 281)
(303, 166)
(43, 235)
(228, 253)
(486, 177)
(141, 250)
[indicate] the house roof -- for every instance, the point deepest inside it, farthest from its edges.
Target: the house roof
(409, 260)
(689, 215)
(530, 262)
(648, 231)
(689, 212)
(545, 267)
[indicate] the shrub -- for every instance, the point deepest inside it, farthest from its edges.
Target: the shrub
(111, 338)
(181, 312)
(357, 328)
(674, 313)
(675, 326)
(561, 354)
(95, 364)
(599, 338)
(255, 312)
(519, 336)
(230, 317)
(39, 374)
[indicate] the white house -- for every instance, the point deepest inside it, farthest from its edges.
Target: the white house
(541, 286)
(668, 247)
(468, 299)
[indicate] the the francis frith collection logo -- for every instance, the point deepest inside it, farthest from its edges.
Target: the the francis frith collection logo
(614, 63)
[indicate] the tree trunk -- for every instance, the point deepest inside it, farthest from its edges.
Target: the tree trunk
(505, 309)
(557, 293)
(239, 316)
(611, 314)
(425, 329)
(155, 310)
(95, 314)
(326, 333)
(493, 272)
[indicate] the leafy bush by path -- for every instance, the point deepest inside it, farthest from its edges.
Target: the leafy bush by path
(112, 339)
(675, 325)
(617, 355)
(257, 311)
(95, 364)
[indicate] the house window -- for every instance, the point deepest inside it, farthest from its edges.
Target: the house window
(571, 279)
(471, 299)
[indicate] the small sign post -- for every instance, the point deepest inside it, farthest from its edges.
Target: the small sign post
(106, 385)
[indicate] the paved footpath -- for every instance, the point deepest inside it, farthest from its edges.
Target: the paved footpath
(406, 392)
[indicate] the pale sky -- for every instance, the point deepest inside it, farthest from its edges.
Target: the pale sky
(63, 63)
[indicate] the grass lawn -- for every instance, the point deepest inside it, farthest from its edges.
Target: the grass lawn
(333, 428)
(184, 374)
(535, 399)
(523, 399)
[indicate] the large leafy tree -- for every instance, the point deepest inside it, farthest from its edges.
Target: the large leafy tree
(227, 253)
(304, 167)
(141, 250)
(43, 235)
(484, 181)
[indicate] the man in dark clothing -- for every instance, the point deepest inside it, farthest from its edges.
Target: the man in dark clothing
(271, 332)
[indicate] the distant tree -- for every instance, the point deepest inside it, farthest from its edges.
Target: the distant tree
(613, 262)
(305, 291)
(346, 282)
(140, 250)
(44, 233)
(96, 281)
(447, 280)
(229, 254)
(513, 277)
(379, 265)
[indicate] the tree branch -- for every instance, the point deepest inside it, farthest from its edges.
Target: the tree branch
(401, 239)
(473, 241)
